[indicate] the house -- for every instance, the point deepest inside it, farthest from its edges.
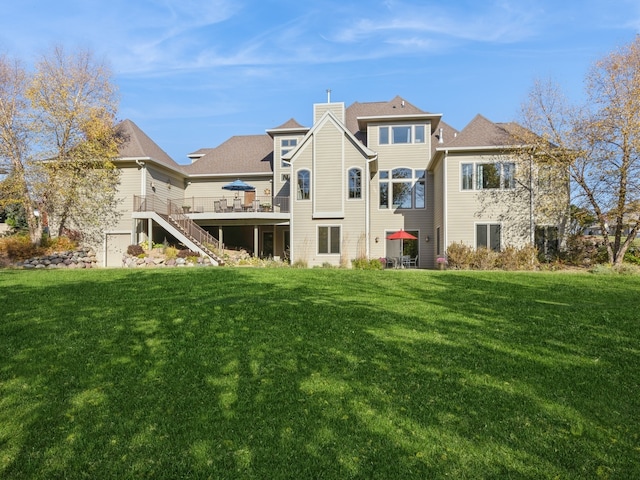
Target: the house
(334, 191)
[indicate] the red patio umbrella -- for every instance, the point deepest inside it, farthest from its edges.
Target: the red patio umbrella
(401, 235)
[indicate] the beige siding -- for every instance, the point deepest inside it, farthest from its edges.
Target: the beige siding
(385, 221)
(319, 109)
(130, 185)
(328, 172)
(212, 187)
(164, 184)
(439, 207)
(303, 238)
(465, 209)
(281, 187)
(334, 156)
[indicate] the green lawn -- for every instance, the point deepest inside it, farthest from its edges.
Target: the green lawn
(334, 374)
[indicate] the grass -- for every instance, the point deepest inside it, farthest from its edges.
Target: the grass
(287, 373)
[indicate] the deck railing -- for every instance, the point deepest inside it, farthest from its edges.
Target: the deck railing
(197, 233)
(223, 204)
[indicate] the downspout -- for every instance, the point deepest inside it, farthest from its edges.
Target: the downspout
(532, 237)
(143, 174)
(143, 193)
(292, 195)
(445, 209)
(367, 202)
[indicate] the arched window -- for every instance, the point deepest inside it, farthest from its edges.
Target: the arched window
(355, 183)
(304, 185)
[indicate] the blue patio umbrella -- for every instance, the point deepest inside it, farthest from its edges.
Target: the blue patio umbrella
(239, 186)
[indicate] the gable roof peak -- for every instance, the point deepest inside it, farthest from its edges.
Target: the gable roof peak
(137, 144)
(482, 132)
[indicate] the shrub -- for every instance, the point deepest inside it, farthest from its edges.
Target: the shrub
(464, 257)
(460, 256)
(632, 255)
(60, 244)
(135, 250)
(19, 247)
(300, 264)
(171, 252)
(485, 259)
(585, 250)
(366, 264)
(511, 258)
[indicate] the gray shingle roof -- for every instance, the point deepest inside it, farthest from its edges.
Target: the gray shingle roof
(138, 145)
(448, 136)
(240, 154)
(481, 132)
(291, 124)
(378, 109)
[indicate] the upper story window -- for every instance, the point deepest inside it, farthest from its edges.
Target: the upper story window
(488, 176)
(402, 188)
(304, 185)
(401, 134)
(286, 145)
(355, 183)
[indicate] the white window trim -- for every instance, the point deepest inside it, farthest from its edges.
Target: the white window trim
(488, 223)
(329, 226)
(474, 177)
(361, 198)
(412, 127)
(296, 185)
(414, 181)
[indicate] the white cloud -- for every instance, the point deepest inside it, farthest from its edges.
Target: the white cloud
(498, 22)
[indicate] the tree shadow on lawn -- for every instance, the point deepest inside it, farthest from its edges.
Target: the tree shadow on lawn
(318, 374)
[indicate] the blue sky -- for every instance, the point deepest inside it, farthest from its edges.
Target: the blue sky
(192, 73)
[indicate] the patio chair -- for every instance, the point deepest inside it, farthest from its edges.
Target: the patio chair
(223, 205)
(237, 205)
(404, 261)
(256, 205)
(413, 262)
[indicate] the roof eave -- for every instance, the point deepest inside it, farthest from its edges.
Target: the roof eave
(150, 160)
(434, 118)
(230, 174)
(272, 131)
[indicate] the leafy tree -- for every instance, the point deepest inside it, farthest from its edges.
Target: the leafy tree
(57, 126)
(598, 143)
(580, 219)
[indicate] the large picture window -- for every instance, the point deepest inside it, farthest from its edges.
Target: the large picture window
(329, 240)
(488, 236)
(304, 185)
(355, 183)
(487, 176)
(402, 188)
(401, 134)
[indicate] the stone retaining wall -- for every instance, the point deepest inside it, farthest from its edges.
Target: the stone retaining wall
(82, 257)
(130, 261)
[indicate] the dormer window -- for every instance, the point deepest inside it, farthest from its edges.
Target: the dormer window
(401, 134)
